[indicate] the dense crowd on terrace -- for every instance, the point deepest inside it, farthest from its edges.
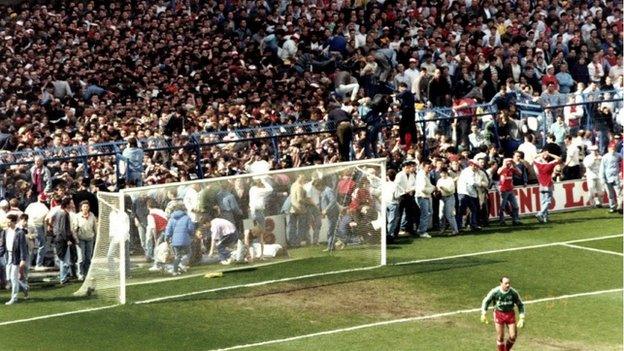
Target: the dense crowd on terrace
(86, 72)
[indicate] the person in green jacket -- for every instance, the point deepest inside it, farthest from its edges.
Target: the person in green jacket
(504, 298)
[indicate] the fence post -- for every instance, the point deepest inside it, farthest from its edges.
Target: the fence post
(117, 161)
(275, 144)
(199, 166)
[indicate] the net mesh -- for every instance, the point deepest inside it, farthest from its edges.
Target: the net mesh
(313, 220)
(103, 280)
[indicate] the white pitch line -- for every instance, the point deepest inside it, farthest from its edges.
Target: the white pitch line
(57, 315)
(593, 249)
(405, 320)
(171, 297)
(305, 277)
(194, 275)
(508, 250)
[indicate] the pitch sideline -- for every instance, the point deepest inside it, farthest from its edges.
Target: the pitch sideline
(405, 320)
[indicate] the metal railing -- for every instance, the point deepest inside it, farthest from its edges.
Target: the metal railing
(536, 108)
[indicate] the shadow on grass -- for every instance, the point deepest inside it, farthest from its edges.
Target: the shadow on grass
(384, 273)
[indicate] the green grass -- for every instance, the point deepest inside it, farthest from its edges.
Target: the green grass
(281, 310)
(613, 244)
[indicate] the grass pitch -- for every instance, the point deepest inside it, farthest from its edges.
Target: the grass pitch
(432, 277)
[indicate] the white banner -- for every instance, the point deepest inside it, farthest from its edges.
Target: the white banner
(567, 195)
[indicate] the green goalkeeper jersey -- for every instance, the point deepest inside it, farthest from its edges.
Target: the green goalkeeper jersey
(503, 301)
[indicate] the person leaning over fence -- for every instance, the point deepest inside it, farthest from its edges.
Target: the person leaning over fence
(13, 245)
(610, 168)
(133, 155)
(545, 164)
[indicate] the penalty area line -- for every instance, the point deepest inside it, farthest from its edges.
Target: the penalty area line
(62, 314)
(593, 249)
(405, 320)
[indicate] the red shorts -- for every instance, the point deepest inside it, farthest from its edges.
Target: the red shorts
(504, 317)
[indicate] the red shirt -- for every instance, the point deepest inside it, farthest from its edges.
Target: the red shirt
(544, 173)
(548, 79)
(506, 178)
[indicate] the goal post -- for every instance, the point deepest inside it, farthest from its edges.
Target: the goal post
(316, 219)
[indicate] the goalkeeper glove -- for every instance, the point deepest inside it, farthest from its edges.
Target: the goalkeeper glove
(484, 319)
(520, 323)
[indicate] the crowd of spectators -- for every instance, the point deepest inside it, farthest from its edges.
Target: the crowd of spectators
(75, 73)
(155, 73)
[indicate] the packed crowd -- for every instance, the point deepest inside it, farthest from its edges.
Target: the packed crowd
(156, 72)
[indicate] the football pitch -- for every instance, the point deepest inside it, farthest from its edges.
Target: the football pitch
(568, 272)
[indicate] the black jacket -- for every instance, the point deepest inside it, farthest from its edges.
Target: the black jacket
(20, 247)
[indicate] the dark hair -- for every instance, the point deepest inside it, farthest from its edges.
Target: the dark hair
(391, 173)
(65, 202)
(132, 142)
(12, 218)
(23, 217)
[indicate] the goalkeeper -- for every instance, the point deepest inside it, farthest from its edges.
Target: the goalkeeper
(503, 298)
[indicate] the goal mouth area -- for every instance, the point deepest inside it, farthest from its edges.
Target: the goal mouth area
(338, 214)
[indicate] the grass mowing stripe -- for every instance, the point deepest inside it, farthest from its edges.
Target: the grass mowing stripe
(233, 269)
(249, 285)
(301, 277)
(508, 250)
(305, 277)
(58, 315)
(410, 319)
(593, 249)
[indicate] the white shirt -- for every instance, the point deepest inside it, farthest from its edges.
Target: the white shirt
(220, 227)
(529, 150)
(572, 156)
(389, 189)
(413, 75)
(404, 183)
(258, 195)
(466, 183)
(191, 199)
(10, 238)
(595, 72)
(592, 166)
(36, 212)
(446, 186)
(313, 193)
(119, 228)
(424, 188)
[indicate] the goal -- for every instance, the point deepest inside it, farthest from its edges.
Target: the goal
(314, 220)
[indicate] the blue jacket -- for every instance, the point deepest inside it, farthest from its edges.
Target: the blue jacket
(180, 228)
(134, 157)
(20, 248)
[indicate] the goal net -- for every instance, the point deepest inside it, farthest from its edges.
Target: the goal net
(309, 221)
(103, 278)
